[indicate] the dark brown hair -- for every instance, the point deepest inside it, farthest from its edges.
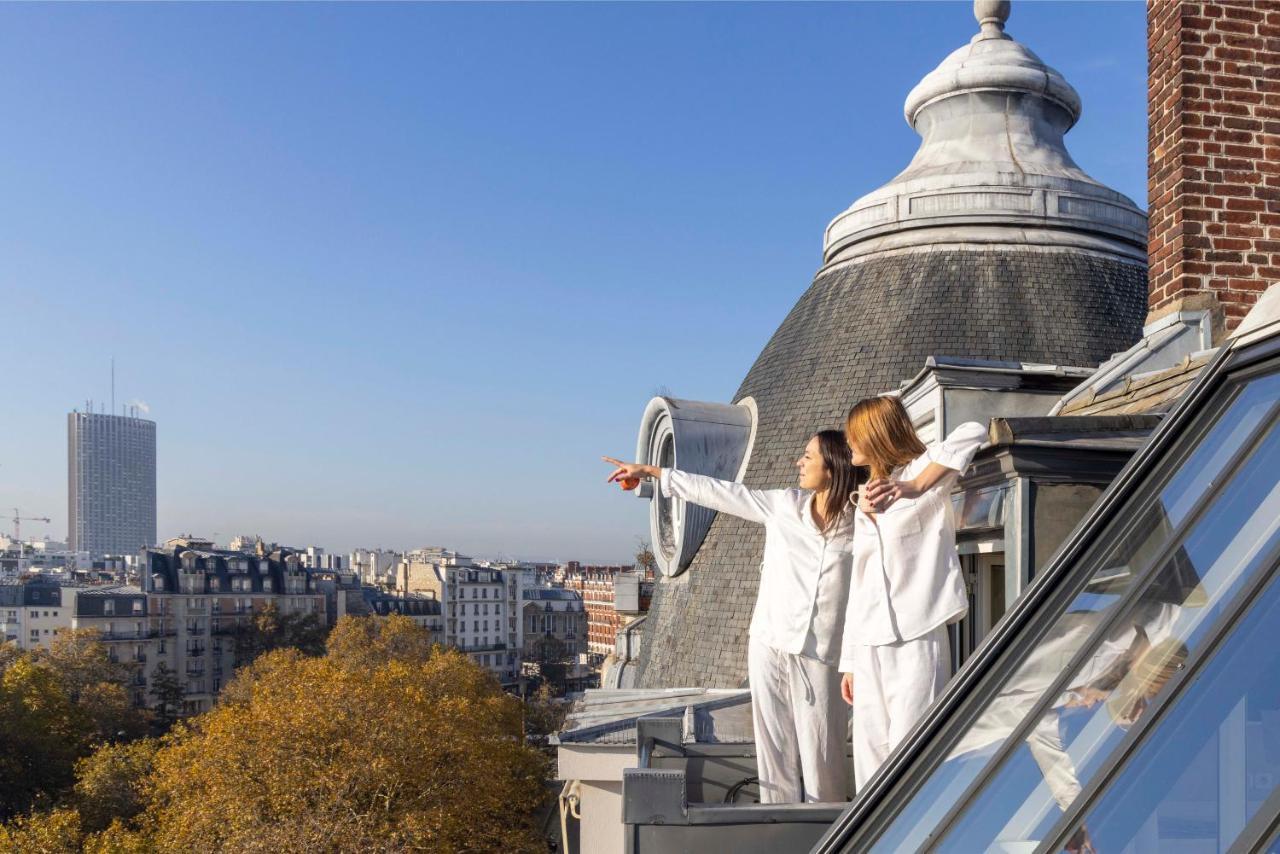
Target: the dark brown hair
(844, 475)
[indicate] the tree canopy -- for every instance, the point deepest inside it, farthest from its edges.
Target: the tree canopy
(269, 630)
(56, 705)
(385, 743)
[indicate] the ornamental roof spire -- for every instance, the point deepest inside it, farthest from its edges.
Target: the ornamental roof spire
(992, 161)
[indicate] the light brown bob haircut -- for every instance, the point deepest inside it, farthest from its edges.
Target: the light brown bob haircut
(880, 428)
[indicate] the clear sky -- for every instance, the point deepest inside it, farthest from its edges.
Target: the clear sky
(398, 274)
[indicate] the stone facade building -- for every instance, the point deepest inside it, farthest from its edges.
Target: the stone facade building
(597, 586)
(375, 566)
(33, 610)
(553, 612)
(120, 616)
(481, 607)
(199, 597)
(423, 610)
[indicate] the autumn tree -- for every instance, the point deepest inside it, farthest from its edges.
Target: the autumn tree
(42, 733)
(168, 693)
(111, 784)
(385, 744)
(544, 715)
(81, 661)
(364, 643)
(56, 705)
(96, 683)
(553, 660)
(55, 832)
(9, 653)
(269, 630)
(60, 831)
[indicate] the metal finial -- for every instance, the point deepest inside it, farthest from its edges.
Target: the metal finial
(991, 15)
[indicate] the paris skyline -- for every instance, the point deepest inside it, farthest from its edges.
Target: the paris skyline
(356, 263)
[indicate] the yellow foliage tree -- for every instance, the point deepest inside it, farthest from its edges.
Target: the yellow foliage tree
(42, 733)
(87, 675)
(56, 832)
(384, 744)
(359, 644)
(56, 705)
(111, 783)
(60, 832)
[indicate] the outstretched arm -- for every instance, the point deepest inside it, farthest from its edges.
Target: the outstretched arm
(631, 471)
(724, 496)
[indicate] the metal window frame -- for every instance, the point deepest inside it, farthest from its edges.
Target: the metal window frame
(896, 782)
(1164, 703)
(1119, 611)
(1263, 830)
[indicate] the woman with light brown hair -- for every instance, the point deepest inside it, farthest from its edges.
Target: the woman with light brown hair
(906, 584)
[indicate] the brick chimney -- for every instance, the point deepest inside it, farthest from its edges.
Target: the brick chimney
(1213, 161)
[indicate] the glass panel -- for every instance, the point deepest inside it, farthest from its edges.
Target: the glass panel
(1203, 772)
(980, 508)
(1109, 581)
(666, 511)
(1128, 666)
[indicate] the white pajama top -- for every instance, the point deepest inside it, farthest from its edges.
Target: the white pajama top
(804, 578)
(906, 571)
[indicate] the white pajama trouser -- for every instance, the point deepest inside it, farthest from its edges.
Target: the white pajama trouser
(893, 685)
(801, 727)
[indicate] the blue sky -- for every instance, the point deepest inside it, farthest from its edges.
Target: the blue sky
(398, 274)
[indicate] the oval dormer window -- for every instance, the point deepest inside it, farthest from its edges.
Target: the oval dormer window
(694, 436)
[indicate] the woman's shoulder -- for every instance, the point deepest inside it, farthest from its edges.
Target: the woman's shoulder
(966, 431)
(963, 433)
(789, 502)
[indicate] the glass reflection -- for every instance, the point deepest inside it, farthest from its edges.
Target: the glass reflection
(1201, 471)
(1202, 774)
(1126, 668)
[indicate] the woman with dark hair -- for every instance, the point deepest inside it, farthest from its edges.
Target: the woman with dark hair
(800, 722)
(906, 585)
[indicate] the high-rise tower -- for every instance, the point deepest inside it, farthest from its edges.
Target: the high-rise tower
(111, 483)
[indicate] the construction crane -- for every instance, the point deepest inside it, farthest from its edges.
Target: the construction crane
(18, 519)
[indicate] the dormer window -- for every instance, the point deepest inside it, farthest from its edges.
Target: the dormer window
(704, 438)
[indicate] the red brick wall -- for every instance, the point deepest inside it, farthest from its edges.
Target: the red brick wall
(1213, 154)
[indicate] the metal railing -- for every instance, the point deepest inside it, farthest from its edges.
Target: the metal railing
(660, 819)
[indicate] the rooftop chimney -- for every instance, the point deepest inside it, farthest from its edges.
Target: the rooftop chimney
(1213, 156)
